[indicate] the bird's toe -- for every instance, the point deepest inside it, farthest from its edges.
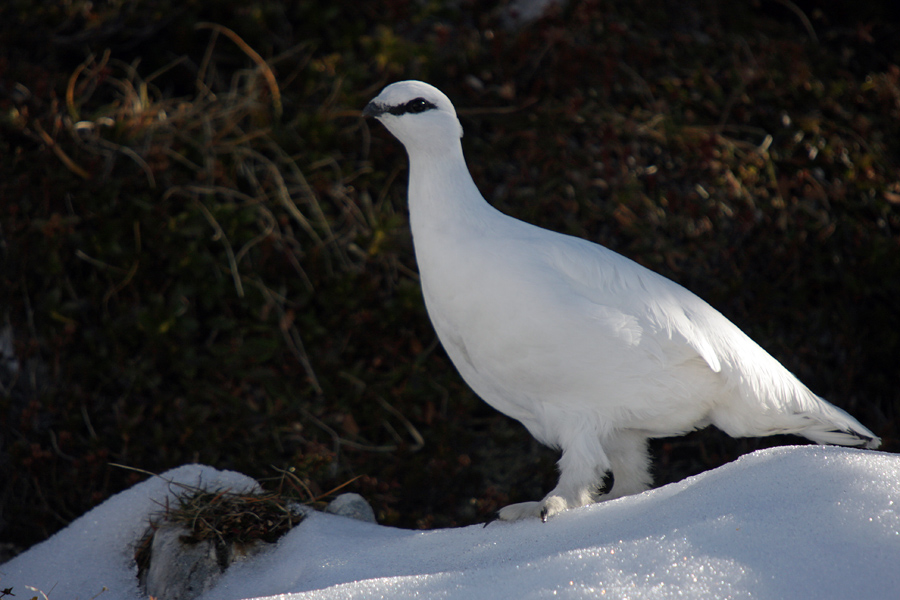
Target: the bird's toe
(522, 510)
(550, 506)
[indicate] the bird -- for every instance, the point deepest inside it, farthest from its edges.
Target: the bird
(593, 353)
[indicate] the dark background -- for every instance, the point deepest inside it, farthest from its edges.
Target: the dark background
(204, 257)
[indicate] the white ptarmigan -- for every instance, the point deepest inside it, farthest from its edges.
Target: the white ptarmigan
(592, 352)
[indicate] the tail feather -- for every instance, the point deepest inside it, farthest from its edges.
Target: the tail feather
(773, 401)
(822, 435)
(768, 399)
(828, 424)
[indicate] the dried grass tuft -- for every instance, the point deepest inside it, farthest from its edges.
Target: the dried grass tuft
(228, 518)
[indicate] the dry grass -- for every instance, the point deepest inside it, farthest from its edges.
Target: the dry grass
(232, 519)
(224, 518)
(221, 141)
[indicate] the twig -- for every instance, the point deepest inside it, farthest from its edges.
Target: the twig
(270, 227)
(292, 337)
(70, 87)
(803, 18)
(339, 441)
(220, 234)
(133, 156)
(288, 473)
(132, 271)
(335, 489)
(255, 57)
(284, 197)
(98, 263)
(420, 441)
(34, 589)
(70, 164)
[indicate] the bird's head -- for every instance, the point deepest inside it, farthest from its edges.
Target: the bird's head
(418, 114)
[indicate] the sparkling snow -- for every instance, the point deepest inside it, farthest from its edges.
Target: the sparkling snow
(792, 522)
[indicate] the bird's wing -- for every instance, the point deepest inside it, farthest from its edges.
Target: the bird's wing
(672, 315)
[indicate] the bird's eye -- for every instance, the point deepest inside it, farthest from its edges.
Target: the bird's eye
(418, 105)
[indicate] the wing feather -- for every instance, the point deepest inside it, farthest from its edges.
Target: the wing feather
(673, 315)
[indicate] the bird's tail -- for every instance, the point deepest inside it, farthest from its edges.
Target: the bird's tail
(828, 424)
(773, 401)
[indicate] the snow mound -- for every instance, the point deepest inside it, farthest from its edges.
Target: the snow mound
(789, 522)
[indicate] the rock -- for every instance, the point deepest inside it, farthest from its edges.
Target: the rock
(352, 506)
(182, 570)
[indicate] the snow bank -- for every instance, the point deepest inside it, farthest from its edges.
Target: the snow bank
(791, 522)
(97, 550)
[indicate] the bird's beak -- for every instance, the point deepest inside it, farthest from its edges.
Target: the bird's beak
(373, 109)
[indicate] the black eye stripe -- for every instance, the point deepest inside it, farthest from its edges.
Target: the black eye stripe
(413, 106)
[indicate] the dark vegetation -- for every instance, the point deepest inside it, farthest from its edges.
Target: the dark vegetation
(204, 253)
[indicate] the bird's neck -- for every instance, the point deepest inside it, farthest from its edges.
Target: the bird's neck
(442, 194)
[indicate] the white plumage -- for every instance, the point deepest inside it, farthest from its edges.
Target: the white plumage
(592, 352)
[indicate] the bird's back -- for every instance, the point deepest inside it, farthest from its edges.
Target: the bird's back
(533, 317)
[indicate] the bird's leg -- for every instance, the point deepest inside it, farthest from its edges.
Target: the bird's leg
(606, 486)
(584, 469)
(627, 451)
